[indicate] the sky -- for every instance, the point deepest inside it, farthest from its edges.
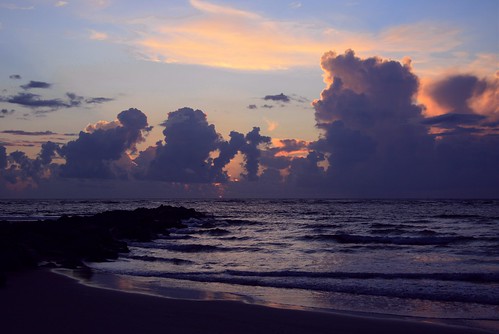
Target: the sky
(212, 98)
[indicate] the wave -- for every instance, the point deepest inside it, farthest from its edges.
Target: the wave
(319, 284)
(148, 258)
(457, 277)
(457, 216)
(214, 232)
(194, 248)
(409, 241)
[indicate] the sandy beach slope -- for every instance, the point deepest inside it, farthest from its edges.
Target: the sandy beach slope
(40, 301)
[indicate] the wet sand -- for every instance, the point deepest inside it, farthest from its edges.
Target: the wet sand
(41, 301)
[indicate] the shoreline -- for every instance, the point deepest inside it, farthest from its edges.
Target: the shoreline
(44, 301)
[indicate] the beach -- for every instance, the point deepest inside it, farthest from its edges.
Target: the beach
(41, 301)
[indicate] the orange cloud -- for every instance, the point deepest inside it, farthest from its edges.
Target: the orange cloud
(98, 36)
(223, 36)
(271, 125)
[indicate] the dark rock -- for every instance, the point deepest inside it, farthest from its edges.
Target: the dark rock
(70, 240)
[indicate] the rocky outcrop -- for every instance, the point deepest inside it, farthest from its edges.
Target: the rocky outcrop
(70, 240)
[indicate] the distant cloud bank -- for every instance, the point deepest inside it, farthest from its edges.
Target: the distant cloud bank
(375, 141)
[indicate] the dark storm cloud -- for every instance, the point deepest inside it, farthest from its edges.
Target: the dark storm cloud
(22, 170)
(228, 150)
(15, 77)
(28, 133)
(279, 97)
(48, 151)
(249, 146)
(273, 157)
(252, 152)
(185, 156)
(189, 143)
(36, 84)
(378, 143)
(19, 172)
(306, 172)
(95, 154)
(372, 130)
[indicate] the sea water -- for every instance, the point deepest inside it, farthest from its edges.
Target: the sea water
(422, 258)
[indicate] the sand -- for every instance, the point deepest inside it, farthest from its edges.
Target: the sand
(41, 301)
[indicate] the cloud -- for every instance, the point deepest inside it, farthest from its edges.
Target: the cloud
(436, 37)
(15, 76)
(295, 5)
(252, 152)
(42, 105)
(193, 152)
(271, 125)
(227, 37)
(4, 112)
(268, 106)
(98, 100)
(98, 35)
(252, 106)
(378, 143)
(280, 97)
(61, 3)
(3, 157)
(451, 120)
(221, 10)
(35, 101)
(97, 154)
(28, 133)
(185, 156)
(465, 94)
(18, 172)
(36, 84)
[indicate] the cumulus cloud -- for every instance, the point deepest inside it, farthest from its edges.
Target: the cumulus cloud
(377, 141)
(19, 172)
(252, 106)
(185, 156)
(96, 154)
(15, 76)
(252, 152)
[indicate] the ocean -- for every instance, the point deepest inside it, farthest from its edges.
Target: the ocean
(414, 258)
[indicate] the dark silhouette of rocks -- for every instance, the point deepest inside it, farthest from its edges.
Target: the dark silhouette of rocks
(70, 240)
